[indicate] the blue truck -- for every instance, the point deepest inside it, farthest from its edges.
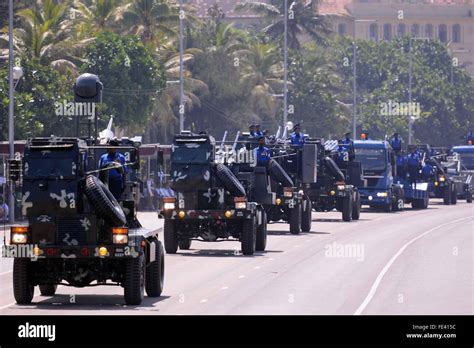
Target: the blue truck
(465, 171)
(386, 183)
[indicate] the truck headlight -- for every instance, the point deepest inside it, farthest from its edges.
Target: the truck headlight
(442, 179)
(288, 192)
(169, 203)
(120, 235)
(382, 194)
(341, 187)
(19, 234)
(240, 203)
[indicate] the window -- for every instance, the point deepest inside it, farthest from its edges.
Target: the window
(443, 33)
(401, 30)
(374, 32)
(342, 29)
(387, 31)
(415, 30)
(456, 33)
(429, 31)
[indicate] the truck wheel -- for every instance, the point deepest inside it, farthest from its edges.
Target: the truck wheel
(295, 219)
(155, 272)
(426, 203)
(104, 202)
(347, 208)
(185, 244)
(248, 237)
(171, 239)
(468, 196)
(134, 280)
(306, 218)
(23, 288)
(388, 207)
(454, 195)
(356, 206)
(230, 182)
(279, 174)
(48, 289)
(447, 195)
(261, 241)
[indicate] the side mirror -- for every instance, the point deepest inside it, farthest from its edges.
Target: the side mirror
(160, 158)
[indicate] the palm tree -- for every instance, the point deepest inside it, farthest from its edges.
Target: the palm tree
(262, 71)
(302, 19)
(148, 19)
(96, 17)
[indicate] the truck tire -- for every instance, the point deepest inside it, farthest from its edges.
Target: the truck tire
(103, 202)
(454, 195)
(261, 238)
(447, 195)
(306, 218)
(48, 289)
(155, 272)
(185, 244)
(278, 174)
(356, 206)
(230, 182)
(388, 207)
(134, 280)
(426, 203)
(468, 196)
(170, 237)
(334, 169)
(295, 219)
(248, 238)
(23, 288)
(347, 208)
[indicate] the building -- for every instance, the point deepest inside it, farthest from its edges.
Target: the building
(450, 21)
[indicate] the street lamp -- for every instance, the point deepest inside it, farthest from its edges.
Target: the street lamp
(354, 77)
(285, 67)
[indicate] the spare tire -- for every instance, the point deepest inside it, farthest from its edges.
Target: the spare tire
(104, 202)
(278, 174)
(334, 169)
(230, 182)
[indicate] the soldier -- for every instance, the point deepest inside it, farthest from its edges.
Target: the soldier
(116, 175)
(396, 143)
(346, 145)
(413, 161)
(297, 138)
(402, 165)
(470, 138)
(252, 130)
(258, 132)
(262, 153)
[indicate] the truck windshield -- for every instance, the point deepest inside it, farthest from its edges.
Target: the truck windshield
(371, 159)
(191, 155)
(50, 168)
(467, 160)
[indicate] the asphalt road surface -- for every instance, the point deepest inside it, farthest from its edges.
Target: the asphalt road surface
(413, 262)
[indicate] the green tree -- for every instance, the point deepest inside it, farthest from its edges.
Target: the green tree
(132, 79)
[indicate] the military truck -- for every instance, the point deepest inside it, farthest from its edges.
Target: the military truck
(463, 156)
(334, 187)
(379, 188)
(78, 234)
(273, 187)
(211, 204)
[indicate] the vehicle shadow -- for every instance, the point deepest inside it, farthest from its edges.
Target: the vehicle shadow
(283, 233)
(94, 302)
(220, 253)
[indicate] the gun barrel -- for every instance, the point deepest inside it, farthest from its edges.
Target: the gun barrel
(277, 135)
(235, 141)
(223, 140)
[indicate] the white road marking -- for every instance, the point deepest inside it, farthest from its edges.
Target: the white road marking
(382, 273)
(224, 288)
(241, 276)
(204, 300)
(256, 267)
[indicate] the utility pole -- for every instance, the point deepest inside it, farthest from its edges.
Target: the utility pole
(285, 68)
(181, 68)
(11, 124)
(354, 82)
(410, 117)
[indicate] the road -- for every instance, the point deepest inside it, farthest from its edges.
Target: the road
(412, 262)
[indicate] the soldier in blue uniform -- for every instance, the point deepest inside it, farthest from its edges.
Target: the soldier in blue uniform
(116, 175)
(413, 161)
(470, 138)
(402, 163)
(297, 138)
(262, 153)
(258, 132)
(346, 146)
(396, 143)
(428, 170)
(252, 130)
